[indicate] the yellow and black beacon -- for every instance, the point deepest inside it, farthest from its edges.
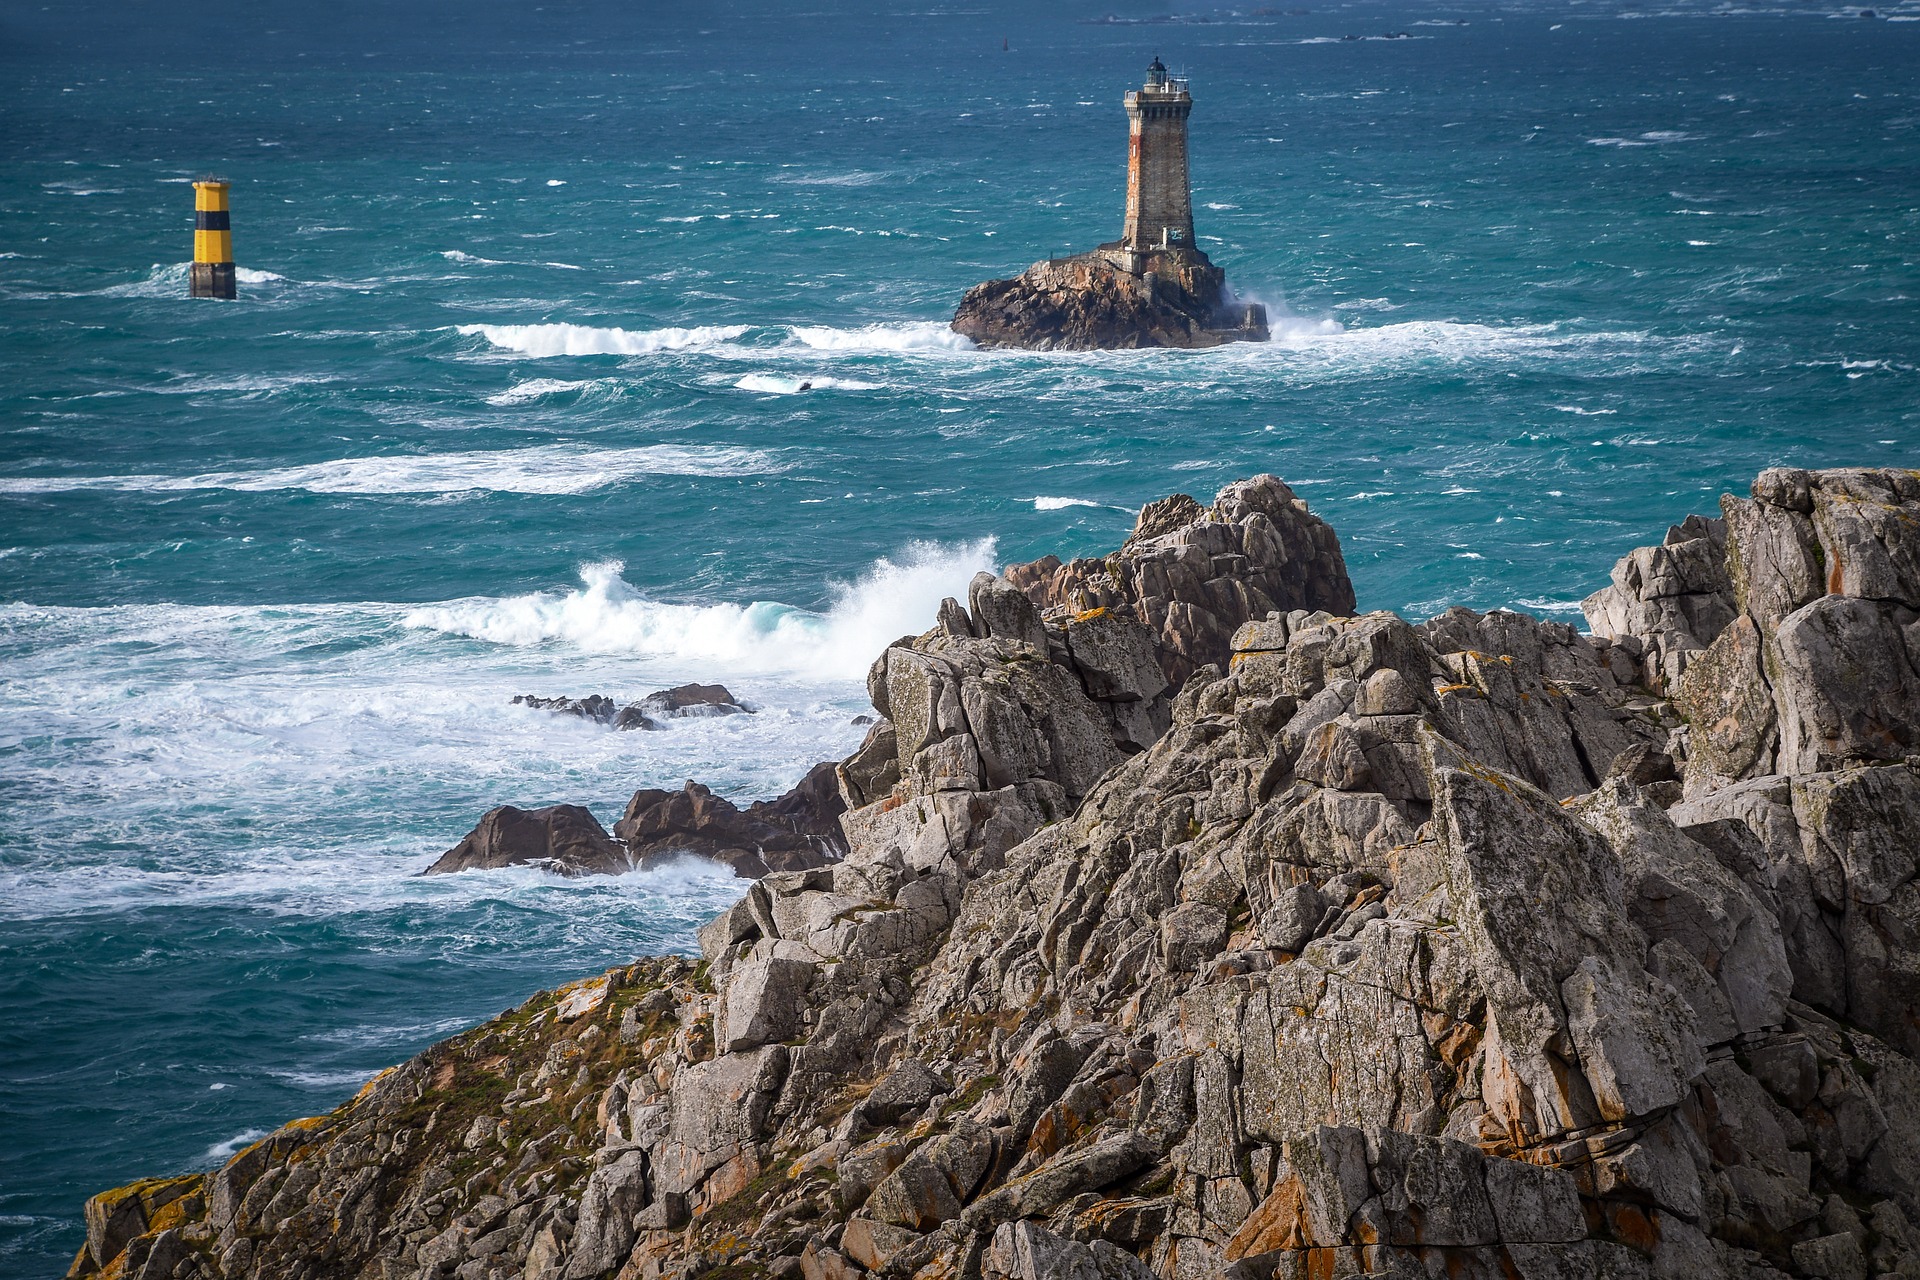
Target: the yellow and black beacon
(213, 274)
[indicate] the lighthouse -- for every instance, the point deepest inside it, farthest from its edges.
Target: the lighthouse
(1153, 287)
(1159, 201)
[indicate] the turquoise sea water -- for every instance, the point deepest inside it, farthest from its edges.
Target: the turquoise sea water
(511, 403)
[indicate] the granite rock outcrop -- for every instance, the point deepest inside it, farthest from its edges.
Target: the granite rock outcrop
(1375, 948)
(1089, 302)
(564, 839)
(1192, 574)
(801, 829)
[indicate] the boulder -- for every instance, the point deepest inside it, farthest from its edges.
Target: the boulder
(563, 838)
(796, 831)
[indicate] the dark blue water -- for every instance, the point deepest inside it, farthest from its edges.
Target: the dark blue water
(510, 403)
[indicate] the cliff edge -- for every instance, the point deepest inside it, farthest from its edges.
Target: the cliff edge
(1474, 947)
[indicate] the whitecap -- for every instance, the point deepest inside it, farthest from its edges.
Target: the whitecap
(461, 256)
(774, 384)
(854, 178)
(327, 1079)
(221, 1152)
(547, 340)
(605, 614)
(1585, 413)
(542, 469)
(1061, 504)
(920, 336)
(537, 388)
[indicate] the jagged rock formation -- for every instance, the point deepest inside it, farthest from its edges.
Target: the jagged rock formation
(1090, 303)
(1193, 574)
(677, 703)
(799, 830)
(562, 838)
(1398, 950)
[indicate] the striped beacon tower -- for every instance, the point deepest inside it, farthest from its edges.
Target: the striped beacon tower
(213, 274)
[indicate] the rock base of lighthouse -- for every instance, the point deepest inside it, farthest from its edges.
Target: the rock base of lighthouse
(1114, 298)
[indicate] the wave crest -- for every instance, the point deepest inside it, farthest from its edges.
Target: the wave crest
(547, 340)
(606, 614)
(544, 469)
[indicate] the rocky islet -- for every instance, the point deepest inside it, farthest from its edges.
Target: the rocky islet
(1469, 947)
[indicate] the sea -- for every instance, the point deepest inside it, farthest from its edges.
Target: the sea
(589, 347)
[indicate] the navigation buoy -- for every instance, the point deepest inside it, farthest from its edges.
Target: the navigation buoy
(213, 273)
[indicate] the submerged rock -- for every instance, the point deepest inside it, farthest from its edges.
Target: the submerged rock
(1392, 949)
(665, 704)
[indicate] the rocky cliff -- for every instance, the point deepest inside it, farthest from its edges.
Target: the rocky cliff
(1471, 947)
(1090, 303)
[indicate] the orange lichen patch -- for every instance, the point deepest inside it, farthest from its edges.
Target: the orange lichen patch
(1456, 688)
(1089, 615)
(1632, 1227)
(367, 1088)
(307, 1124)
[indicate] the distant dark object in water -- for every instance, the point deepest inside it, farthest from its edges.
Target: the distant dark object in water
(806, 386)
(681, 702)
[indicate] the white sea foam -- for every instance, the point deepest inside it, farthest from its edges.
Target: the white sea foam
(1061, 504)
(775, 384)
(458, 255)
(1585, 413)
(896, 596)
(221, 1152)
(855, 178)
(546, 469)
(923, 336)
(547, 340)
(326, 1079)
(538, 388)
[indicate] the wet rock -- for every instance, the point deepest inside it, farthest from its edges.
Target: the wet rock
(563, 838)
(1087, 303)
(796, 831)
(651, 712)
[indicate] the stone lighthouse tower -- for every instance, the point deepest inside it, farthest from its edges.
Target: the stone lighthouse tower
(1159, 204)
(1153, 287)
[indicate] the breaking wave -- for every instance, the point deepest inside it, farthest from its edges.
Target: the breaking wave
(544, 469)
(547, 340)
(606, 614)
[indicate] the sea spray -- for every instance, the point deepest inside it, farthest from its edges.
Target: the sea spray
(606, 615)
